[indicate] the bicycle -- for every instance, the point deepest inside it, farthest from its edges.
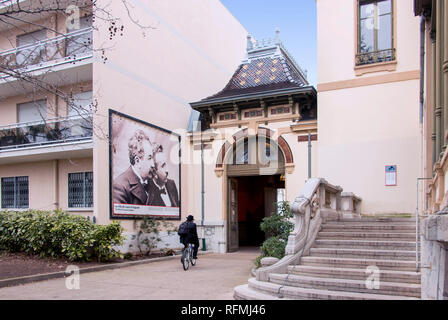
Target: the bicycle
(187, 257)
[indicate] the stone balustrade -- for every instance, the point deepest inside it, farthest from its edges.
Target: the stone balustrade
(318, 202)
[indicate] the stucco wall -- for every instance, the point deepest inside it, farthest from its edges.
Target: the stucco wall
(190, 54)
(372, 120)
(362, 130)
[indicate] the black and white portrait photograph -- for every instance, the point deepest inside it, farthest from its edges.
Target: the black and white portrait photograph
(145, 169)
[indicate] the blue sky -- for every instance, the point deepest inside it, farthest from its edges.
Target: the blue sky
(296, 20)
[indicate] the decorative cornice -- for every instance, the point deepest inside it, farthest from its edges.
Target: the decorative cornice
(253, 96)
(369, 81)
(262, 120)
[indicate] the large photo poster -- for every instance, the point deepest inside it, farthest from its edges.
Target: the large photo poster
(144, 169)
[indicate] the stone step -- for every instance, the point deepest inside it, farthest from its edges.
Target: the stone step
(365, 235)
(366, 227)
(363, 253)
(243, 292)
(398, 265)
(346, 285)
(316, 294)
(377, 219)
(365, 244)
(355, 274)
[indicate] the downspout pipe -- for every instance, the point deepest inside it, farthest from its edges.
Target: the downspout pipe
(202, 197)
(309, 155)
(422, 66)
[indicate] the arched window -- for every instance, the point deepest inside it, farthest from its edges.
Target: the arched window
(257, 150)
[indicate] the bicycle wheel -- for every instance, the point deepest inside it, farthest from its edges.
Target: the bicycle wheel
(185, 259)
(192, 260)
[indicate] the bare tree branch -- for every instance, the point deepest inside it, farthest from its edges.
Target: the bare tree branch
(19, 64)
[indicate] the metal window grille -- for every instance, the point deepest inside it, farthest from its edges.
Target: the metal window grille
(15, 193)
(376, 18)
(80, 190)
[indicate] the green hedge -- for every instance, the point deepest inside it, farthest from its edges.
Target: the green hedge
(58, 234)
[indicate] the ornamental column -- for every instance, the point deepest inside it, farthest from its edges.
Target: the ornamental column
(439, 111)
(444, 48)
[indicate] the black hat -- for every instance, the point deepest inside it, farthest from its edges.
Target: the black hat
(190, 218)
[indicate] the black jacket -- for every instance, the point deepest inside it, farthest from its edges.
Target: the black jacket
(191, 236)
(154, 194)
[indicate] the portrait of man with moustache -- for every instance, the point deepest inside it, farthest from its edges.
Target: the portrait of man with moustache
(130, 186)
(162, 191)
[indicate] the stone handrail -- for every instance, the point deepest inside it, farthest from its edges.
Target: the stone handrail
(351, 203)
(317, 202)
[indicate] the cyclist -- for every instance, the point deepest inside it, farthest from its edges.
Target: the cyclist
(191, 236)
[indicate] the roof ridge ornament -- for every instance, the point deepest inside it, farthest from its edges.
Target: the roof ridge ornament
(250, 43)
(277, 37)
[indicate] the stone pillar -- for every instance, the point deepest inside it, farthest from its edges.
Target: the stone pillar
(434, 263)
(444, 48)
(440, 112)
(436, 112)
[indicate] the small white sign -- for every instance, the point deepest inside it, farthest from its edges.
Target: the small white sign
(391, 175)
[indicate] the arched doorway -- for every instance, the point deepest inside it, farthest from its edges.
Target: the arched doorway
(255, 175)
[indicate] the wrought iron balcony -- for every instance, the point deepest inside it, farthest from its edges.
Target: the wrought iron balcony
(69, 47)
(375, 57)
(39, 133)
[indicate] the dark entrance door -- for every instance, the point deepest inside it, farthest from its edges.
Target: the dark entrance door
(233, 215)
(255, 199)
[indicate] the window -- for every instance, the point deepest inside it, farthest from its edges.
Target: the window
(82, 103)
(32, 111)
(280, 110)
(31, 55)
(375, 32)
(80, 190)
(15, 193)
(257, 150)
(227, 116)
(253, 114)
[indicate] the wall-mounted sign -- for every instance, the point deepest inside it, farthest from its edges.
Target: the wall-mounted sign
(391, 175)
(144, 169)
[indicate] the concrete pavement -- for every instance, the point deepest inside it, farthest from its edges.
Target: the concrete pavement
(213, 278)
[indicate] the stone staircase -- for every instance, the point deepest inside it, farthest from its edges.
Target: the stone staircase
(338, 261)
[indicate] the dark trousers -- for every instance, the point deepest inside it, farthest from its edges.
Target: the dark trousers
(195, 247)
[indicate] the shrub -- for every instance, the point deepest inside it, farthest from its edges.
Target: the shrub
(58, 234)
(277, 227)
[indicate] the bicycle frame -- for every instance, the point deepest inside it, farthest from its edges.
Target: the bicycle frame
(187, 257)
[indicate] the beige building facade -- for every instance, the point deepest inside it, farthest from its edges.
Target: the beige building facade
(252, 129)
(433, 98)
(368, 84)
(53, 157)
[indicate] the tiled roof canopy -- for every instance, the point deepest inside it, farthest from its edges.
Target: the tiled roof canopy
(268, 66)
(268, 76)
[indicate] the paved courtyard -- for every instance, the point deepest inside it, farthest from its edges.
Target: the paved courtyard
(213, 278)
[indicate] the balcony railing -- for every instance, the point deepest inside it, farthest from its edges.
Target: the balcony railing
(69, 47)
(375, 57)
(39, 133)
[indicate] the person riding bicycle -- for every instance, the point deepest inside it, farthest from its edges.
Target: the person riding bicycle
(190, 236)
